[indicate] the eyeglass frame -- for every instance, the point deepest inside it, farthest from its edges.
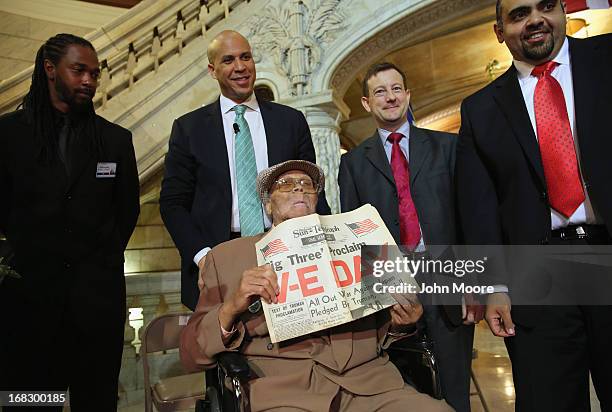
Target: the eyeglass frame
(295, 181)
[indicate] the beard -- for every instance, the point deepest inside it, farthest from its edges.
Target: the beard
(77, 103)
(539, 51)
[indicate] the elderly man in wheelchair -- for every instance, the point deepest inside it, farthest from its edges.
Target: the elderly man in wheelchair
(341, 368)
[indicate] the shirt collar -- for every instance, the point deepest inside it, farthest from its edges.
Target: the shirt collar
(404, 129)
(563, 58)
(227, 104)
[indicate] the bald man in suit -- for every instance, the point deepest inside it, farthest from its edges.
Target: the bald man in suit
(199, 200)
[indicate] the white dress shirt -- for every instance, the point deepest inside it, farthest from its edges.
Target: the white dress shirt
(260, 144)
(404, 146)
(563, 74)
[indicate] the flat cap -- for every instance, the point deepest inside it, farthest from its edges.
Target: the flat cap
(267, 177)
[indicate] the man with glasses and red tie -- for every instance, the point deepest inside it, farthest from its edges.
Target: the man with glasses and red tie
(406, 173)
(533, 167)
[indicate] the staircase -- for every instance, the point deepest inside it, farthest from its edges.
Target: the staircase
(140, 58)
(307, 52)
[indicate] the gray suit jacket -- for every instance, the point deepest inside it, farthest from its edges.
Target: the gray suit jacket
(365, 177)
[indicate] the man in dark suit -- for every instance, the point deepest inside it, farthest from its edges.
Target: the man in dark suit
(69, 204)
(214, 155)
(533, 167)
(406, 173)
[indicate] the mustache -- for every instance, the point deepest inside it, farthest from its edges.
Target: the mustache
(537, 28)
(86, 90)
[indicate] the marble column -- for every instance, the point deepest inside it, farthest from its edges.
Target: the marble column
(324, 113)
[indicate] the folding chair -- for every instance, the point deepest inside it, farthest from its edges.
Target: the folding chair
(176, 392)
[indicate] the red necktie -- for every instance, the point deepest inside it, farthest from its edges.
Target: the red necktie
(556, 143)
(410, 232)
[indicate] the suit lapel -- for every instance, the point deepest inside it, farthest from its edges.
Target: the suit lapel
(419, 149)
(213, 127)
(273, 133)
(375, 153)
(510, 100)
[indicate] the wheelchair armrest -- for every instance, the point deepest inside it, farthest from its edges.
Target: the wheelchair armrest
(414, 358)
(234, 365)
(418, 342)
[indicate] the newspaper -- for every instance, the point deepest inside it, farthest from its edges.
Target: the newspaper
(318, 263)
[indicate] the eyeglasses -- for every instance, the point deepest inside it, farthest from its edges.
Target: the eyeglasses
(287, 185)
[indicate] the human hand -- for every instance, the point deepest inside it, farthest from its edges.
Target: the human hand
(498, 316)
(258, 282)
(405, 313)
(474, 310)
(201, 265)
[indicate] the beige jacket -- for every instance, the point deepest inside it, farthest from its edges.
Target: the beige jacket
(305, 372)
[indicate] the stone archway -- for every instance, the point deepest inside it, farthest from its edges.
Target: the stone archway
(420, 42)
(416, 24)
(312, 50)
(396, 27)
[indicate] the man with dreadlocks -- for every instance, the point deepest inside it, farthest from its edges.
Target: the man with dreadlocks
(69, 204)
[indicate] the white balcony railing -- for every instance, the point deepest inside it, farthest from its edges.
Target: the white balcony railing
(135, 44)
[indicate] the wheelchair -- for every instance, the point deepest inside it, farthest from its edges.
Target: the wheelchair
(226, 384)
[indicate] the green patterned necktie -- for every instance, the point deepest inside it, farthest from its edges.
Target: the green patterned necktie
(249, 205)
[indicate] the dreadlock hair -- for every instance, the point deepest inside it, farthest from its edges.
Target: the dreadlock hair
(37, 102)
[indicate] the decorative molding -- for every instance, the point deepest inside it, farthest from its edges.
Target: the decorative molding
(403, 33)
(439, 115)
(296, 35)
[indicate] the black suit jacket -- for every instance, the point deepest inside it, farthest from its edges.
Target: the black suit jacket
(502, 196)
(365, 176)
(196, 196)
(68, 232)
